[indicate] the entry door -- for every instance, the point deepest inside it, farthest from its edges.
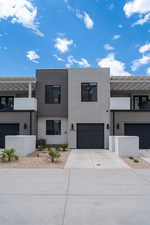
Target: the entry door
(7, 129)
(90, 136)
(140, 130)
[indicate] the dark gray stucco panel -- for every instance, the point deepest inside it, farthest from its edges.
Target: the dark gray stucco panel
(21, 118)
(52, 77)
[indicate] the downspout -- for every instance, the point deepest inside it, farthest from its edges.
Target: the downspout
(30, 123)
(113, 123)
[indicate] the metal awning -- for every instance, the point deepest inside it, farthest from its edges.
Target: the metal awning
(16, 83)
(130, 83)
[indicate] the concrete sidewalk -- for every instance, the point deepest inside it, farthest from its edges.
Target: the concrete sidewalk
(98, 159)
(76, 196)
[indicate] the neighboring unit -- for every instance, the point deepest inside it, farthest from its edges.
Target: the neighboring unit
(79, 107)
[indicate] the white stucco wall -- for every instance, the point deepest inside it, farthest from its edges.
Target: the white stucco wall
(127, 145)
(112, 143)
(120, 103)
(25, 104)
(53, 139)
(23, 144)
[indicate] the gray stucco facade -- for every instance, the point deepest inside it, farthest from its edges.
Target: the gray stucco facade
(120, 118)
(71, 113)
(26, 120)
(88, 112)
(52, 77)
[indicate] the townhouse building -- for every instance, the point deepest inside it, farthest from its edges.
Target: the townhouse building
(78, 107)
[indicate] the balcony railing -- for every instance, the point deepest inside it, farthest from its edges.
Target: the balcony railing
(120, 103)
(25, 104)
(145, 106)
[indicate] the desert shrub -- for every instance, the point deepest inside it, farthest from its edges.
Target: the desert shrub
(40, 147)
(64, 147)
(131, 157)
(8, 155)
(54, 154)
(136, 161)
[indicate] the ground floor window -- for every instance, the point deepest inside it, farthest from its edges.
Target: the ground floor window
(53, 127)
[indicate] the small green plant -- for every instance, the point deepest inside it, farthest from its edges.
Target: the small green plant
(40, 148)
(136, 161)
(131, 157)
(64, 147)
(8, 155)
(54, 154)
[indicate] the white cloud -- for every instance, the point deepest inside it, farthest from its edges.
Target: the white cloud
(81, 63)
(117, 68)
(120, 26)
(144, 48)
(144, 60)
(84, 16)
(143, 20)
(59, 58)
(141, 7)
(148, 71)
(32, 56)
(136, 6)
(20, 11)
(116, 36)
(88, 21)
(108, 47)
(62, 44)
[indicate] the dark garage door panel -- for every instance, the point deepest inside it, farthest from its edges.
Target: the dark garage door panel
(90, 136)
(141, 130)
(7, 129)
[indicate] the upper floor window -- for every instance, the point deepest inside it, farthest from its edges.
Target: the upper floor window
(6, 103)
(53, 127)
(53, 94)
(141, 102)
(89, 92)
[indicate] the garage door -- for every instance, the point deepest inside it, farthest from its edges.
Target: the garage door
(90, 136)
(141, 130)
(7, 129)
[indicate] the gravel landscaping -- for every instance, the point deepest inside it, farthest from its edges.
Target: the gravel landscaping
(138, 164)
(38, 159)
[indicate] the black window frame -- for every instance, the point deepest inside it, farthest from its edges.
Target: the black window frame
(88, 98)
(50, 99)
(7, 106)
(140, 101)
(50, 127)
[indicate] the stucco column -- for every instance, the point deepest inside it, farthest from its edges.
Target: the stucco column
(30, 90)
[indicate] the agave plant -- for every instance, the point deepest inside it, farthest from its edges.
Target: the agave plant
(8, 155)
(64, 147)
(54, 154)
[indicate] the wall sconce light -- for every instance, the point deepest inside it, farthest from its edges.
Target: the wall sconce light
(25, 126)
(72, 127)
(107, 126)
(118, 126)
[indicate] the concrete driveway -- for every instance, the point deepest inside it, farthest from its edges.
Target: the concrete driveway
(94, 158)
(74, 197)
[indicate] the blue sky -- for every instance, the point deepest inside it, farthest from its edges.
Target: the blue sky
(74, 33)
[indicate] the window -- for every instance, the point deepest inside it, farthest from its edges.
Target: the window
(53, 94)
(53, 127)
(6, 102)
(140, 102)
(89, 92)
